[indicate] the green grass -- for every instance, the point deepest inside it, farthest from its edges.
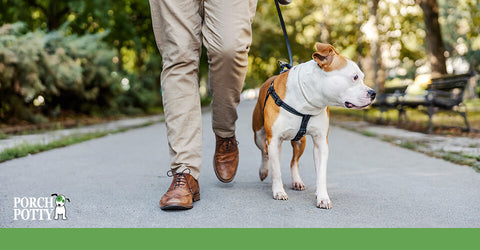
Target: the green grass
(3, 135)
(408, 145)
(472, 103)
(388, 138)
(401, 143)
(368, 133)
(458, 159)
(475, 157)
(25, 149)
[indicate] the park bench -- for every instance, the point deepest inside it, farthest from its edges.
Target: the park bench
(443, 94)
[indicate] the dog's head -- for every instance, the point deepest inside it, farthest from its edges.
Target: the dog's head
(343, 79)
(60, 200)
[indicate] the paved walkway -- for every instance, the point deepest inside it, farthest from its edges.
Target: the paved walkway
(116, 181)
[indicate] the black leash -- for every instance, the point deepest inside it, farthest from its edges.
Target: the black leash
(284, 67)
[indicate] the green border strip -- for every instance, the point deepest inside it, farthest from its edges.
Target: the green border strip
(241, 238)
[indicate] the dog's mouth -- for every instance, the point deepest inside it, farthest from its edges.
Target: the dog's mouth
(350, 105)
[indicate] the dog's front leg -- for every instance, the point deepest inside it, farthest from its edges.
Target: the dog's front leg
(274, 153)
(320, 157)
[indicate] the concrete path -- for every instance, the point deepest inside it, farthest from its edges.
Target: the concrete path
(116, 181)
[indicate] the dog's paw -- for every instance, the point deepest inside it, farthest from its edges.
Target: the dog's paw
(324, 203)
(263, 173)
(299, 186)
(280, 195)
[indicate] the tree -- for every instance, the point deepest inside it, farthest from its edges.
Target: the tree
(374, 60)
(434, 40)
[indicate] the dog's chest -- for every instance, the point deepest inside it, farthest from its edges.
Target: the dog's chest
(287, 125)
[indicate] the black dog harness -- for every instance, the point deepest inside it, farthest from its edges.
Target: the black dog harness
(305, 118)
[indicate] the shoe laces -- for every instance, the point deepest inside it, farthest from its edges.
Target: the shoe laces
(180, 178)
(228, 142)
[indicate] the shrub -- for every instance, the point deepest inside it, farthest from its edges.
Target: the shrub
(44, 74)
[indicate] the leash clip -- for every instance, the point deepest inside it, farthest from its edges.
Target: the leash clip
(284, 66)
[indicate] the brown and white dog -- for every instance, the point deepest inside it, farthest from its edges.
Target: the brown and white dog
(328, 80)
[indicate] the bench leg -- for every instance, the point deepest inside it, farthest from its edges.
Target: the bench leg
(365, 114)
(464, 115)
(380, 118)
(402, 112)
(430, 113)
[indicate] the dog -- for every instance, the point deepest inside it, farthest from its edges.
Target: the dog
(60, 206)
(295, 103)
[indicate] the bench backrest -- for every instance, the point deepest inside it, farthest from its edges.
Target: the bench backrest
(396, 90)
(447, 83)
(448, 90)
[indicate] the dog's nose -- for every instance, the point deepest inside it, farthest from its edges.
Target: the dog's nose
(372, 94)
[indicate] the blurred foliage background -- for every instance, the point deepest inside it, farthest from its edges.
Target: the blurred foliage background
(94, 57)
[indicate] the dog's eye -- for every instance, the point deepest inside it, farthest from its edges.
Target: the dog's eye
(355, 77)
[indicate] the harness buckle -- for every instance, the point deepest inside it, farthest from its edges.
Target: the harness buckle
(279, 102)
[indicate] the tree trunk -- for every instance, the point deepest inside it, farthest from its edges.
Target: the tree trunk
(56, 14)
(378, 71)
(54, 11)
(434, 40)
(324, 26)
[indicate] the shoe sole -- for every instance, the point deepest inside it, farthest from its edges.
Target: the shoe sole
(196, 197)
(175, 207)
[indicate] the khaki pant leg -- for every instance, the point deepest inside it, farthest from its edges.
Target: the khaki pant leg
(227, 35)
(177, 28)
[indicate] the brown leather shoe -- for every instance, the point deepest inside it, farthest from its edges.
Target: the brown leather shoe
(225, 160)
(183, 191)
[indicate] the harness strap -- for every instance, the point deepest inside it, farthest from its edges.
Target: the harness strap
(279, 102)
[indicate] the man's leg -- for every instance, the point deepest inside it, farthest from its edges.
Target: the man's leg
(227, 35)
(177, 28)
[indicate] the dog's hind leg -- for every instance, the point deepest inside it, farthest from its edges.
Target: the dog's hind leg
(298, 148)
(260, 141)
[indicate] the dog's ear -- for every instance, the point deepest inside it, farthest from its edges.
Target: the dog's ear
(54, 195)
(325, 56)
(67, 199)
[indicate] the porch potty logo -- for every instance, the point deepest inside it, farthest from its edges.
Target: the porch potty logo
(40, 208)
